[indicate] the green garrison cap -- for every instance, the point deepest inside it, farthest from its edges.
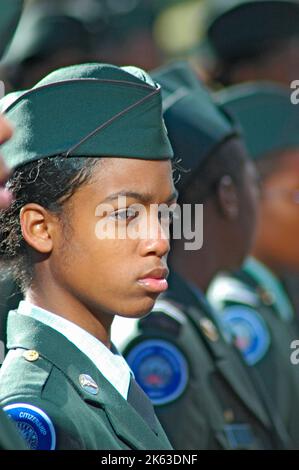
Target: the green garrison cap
(88, 110)
(269, 120)
(42, 32)
(10, 12)
(237, 29)
(196, 126)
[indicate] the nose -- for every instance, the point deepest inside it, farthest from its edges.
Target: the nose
(157, 241)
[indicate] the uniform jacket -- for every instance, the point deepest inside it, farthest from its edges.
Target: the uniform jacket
(9, 436)
(265, 337)
(49, 380)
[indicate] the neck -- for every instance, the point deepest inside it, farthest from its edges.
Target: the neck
(51, 297)
(198, 267)
(267, 261)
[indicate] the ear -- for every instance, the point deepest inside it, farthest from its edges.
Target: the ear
(38, 226)
(228, 199)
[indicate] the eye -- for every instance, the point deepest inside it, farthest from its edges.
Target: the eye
(124, 214)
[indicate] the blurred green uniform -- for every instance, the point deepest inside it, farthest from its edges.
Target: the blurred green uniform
(254, 304)
(200, 387)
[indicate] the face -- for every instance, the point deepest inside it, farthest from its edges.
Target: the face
(282, 66)
(248, 211)
(241, 216)
(120, 274)
(278, 231)
(5, 134)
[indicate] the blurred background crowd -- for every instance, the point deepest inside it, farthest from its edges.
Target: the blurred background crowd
(147, 33)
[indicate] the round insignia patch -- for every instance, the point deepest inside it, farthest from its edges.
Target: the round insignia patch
(250, 330)
(35, 426)
(160, 369)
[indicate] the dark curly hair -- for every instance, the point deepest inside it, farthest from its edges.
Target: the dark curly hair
(49, 182)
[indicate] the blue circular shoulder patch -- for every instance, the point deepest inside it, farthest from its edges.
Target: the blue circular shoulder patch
(35, 426)
(250, 330)
(160, 369)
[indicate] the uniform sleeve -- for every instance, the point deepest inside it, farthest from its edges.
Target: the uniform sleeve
(10, 438)
(42, 424)
(237, 308)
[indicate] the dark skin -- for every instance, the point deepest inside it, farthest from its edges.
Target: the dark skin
(229, 228)
(277, 234)
(5, 134)
(281, 66)
(88, 280)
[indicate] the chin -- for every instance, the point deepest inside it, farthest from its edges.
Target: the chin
(140, 308)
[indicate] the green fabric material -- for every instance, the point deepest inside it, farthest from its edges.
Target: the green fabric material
(238, 29)
(10, 14)
(268, 281)
(42, 32)
(196, 126)
(218, 379)
(51, 383)
(275, 369)
(10, 438)
(10, 297)
(266, 114)
(90, 110)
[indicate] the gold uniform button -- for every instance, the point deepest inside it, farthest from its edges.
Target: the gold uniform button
(267, 297)
(209, 329)
(229, 416)
(31, 355)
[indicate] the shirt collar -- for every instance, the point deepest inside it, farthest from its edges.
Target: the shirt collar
(270, 282)
(111, 364)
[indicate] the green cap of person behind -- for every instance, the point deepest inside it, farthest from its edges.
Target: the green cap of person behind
(196, 126)
(266, 114)
(87, 110)
(239, 29)
(10, 12)
(42, 32)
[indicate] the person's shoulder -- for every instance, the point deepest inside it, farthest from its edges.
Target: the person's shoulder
(23, 371)
(228, 290)
(165, 318)
(156, 351)
(10, 438)
(239, 311)
(25, 380)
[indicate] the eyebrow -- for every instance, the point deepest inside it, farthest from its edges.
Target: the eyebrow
(145, 198)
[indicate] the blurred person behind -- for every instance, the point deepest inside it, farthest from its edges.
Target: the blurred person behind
(10, 13)
(249, 40)
(254, 302)
(201, 389)
(46, 39)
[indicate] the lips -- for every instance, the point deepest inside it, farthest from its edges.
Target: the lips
(155, 281)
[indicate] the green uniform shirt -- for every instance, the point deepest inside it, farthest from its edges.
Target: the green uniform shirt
(10, 438)
(10, 296)
(60, 400)
(253, 304)
(201, 389)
